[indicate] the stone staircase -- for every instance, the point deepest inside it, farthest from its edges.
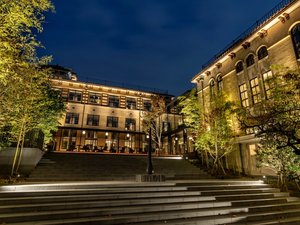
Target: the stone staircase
(207, 202)
(95, 167)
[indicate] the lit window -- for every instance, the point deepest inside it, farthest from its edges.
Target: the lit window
(130, 103)
(113, 101)
(296, 39)
(75, 96)
(239, 67)
(255, 90)
(129, 124)
(244, 95)
(250, 60)
(262, 53)
(267, 86)
(112, 121)
(92, 120)
(94, 98)
(72, 118)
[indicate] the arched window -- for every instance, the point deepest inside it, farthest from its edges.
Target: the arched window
(262, 52)
(219, 83)
(296, 39)
(250, 60)
(239, 67)
(212, 87)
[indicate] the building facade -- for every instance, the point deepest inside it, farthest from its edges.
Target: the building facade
(242, 68)
(103, 118)
(177, 137)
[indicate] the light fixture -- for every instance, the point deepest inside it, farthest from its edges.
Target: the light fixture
(83, 132)
(147, 136)
(127, 135)
(106, 134)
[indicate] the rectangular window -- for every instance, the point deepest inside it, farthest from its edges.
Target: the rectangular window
(113, 101)
(166, 126)
(147, 105)
(131, 103)
(267, 86)
(244, 95)
(72, 118)
(92, 120)
(95, 98)
(255, 90)
(75, 96)
(129, 124)
(112, 121)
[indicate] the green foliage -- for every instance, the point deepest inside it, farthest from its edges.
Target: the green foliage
(191, 110)
(276, 122)
(210, 126)
(216, 134)
(27, 101)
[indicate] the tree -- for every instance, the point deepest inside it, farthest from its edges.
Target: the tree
(276, 122)
(216, 136)
(28, 103)
(190, 108)
(210, 127)
(152, 119)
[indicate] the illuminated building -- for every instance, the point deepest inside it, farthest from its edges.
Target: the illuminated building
(241, 69)
(101, 117)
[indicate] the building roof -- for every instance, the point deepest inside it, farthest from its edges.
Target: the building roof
(259, 24)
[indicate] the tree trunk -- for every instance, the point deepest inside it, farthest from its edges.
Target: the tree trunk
(17, 150)
(21, 149)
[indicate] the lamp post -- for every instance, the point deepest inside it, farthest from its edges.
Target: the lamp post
(149, 165)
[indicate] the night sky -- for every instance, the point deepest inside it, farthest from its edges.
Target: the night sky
(153, 43)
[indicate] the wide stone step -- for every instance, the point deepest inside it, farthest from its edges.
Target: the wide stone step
(183, 217)
(226, 187)
(210, 182)
(103, 197)
(84, 185)
(116, 191)
(127, 214)
(117, 205)
(239, 191)
(127, 190)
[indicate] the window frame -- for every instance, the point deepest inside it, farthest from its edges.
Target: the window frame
(295, 35)
(130, 124)
(255, 90)
(250, 60)
(212, 87)
(70, 116)
(94, 119)
(239, 68)
(262, 53)
(131, 103)
(112, 121)
(94, 100)
(76, 95)
(147, 105)
(220, 83)
(267, 87)
(244, 95)
(114, 101)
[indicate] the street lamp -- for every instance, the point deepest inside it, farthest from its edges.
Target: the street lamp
(150, 166)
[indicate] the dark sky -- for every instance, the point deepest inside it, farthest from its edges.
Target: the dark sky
(154, 43)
